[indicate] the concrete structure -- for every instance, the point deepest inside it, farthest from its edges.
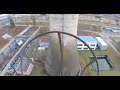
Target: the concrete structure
(91, 41)
(54, 65)
(27, 67)
(5, 49)
(101, 43)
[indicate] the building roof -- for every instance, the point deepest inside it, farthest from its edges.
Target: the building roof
(87, 38)
(101, 41)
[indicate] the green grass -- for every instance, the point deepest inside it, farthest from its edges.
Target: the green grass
(114, 57)
(97, 23)
(38, 71)
(113, 39)
(118, 44)
(84, 60)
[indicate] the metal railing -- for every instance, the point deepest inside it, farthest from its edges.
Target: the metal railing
(61, 50)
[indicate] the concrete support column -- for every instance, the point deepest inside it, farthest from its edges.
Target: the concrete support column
(70, 66)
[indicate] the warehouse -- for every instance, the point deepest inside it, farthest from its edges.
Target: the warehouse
(101, 43)
(91, 41)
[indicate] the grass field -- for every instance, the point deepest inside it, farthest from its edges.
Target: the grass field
(84, 59)
(114, 38)
(38, 71)
(97, 23)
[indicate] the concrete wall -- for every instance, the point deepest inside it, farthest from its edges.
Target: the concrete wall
(69, 66)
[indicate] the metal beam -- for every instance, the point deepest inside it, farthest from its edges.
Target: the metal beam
(11, 41)
(14, 57)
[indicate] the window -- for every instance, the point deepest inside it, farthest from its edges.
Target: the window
(79, 48)
(92, 45)
(92, 48)
(86, 45)
(85, 48)
(79, 45)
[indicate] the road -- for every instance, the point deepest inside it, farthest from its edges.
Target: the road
(106, 37)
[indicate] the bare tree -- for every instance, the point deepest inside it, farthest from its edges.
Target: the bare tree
(12, 23)
(33, 20)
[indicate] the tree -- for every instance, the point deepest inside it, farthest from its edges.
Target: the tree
(117, 22)
(12, 23)
(33, 20)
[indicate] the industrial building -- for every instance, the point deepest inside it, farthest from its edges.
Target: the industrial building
(91, 41)
(101, 43)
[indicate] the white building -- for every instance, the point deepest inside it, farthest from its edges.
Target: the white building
(91, 41)
(101, 43)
